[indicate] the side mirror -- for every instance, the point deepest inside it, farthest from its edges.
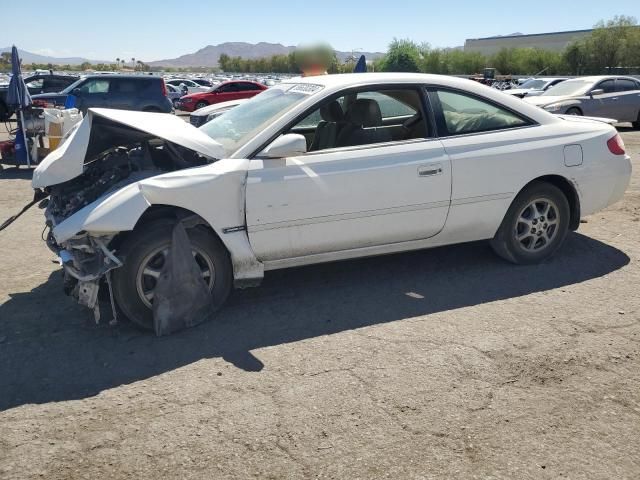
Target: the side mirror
(289, 145)
(596, 92)
(76, 92)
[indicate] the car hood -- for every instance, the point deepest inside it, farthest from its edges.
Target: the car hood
(520, 91)
(67, 161)
(545, 100)
(209, 109)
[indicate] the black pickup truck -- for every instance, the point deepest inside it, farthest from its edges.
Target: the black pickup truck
(38, 83)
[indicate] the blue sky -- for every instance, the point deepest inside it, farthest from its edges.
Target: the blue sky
(155, 29)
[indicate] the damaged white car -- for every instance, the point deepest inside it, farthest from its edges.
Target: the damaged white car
(168, 218)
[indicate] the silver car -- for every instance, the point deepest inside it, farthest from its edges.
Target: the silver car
(603, 96)
(534, 87)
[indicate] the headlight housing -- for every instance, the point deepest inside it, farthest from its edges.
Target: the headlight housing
(554, 107)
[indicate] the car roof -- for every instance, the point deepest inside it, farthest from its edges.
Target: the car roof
(597, 78)
(126, 77)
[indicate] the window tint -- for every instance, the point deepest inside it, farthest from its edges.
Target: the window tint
(56, 84)
(465, 114)
(364, 118)
(389, 107)
(609, 86)
(625, 85)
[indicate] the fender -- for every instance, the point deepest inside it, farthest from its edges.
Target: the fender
(215, 192)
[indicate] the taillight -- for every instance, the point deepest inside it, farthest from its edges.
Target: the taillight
(616, 145)
(164, 88)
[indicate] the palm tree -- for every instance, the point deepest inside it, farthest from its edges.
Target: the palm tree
(123, 62)
(133, 62)
(118, 61)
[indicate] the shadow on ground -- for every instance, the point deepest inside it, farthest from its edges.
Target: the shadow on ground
(51, 351)
(15, 173)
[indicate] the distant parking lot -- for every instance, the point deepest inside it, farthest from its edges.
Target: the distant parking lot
(438, 363)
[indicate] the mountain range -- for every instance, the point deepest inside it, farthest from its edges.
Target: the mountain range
(205, 57)
(209, 55)
(29, 57)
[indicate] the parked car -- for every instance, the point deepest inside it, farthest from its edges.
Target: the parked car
(602, 96)
(233, 90)
(125, 92)
(190, 85)
(36, 84)
(174, 94)
(318, 169)
(203, 82)
(206, 114)
(534, 87)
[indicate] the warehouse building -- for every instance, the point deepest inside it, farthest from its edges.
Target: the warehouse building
(556, 41)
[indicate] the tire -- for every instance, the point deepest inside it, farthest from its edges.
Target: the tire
(520, 239)
(137, 252)
(201, 105)
(636, 124)
(574, 111)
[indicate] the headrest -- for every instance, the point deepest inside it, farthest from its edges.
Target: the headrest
(332, 112)
(365, 112)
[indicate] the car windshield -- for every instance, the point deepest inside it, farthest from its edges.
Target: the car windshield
(569, 88)
(534, 84)
(237, 126)
(71, 87)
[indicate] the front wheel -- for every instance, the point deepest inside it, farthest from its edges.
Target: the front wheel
(535, 225)
(200, 105)
(574, 111)
(144, 254)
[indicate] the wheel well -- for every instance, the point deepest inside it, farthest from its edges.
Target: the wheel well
(170, 213)
(575, 108)
(570, 193)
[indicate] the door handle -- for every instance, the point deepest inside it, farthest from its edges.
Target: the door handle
(430, 170)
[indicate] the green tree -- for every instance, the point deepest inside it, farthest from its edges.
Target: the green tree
(402, 56)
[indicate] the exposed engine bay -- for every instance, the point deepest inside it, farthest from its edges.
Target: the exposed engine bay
(87, 260)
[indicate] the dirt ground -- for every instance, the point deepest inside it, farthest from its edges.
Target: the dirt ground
(445, 363)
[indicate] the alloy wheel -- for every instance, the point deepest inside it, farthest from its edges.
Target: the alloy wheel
(537, 225)
(151, 268)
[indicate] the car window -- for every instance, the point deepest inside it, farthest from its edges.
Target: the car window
(465, 114)
(364, 118)
(626, 85)
(98, 85)
(37, 84)
(609, 86)
(56, 84)
(230, 87)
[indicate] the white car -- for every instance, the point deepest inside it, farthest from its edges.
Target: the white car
(190, 85)
(206, 114)
(315, 170)
(534, 87)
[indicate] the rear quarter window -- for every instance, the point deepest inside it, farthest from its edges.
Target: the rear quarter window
(464, 114)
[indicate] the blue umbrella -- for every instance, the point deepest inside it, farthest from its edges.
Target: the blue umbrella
(361, 66)
(18, 95)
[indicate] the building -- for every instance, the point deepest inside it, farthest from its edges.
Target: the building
(555, 41)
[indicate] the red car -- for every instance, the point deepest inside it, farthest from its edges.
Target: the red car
(223, 92)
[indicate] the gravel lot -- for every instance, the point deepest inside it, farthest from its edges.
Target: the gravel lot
(445, 363)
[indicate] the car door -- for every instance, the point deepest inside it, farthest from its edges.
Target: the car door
(628, 103)
(605, 104)
(227, 92)
(492, 151)
(248, 90)
(347, 197)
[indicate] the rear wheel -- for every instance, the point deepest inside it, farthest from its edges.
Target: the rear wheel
(201, 105)
(535, 225)
(636, 124)
(574, 111)
(144, 254)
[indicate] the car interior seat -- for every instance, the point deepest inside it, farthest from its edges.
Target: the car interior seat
(363, 125)
(328, 129)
